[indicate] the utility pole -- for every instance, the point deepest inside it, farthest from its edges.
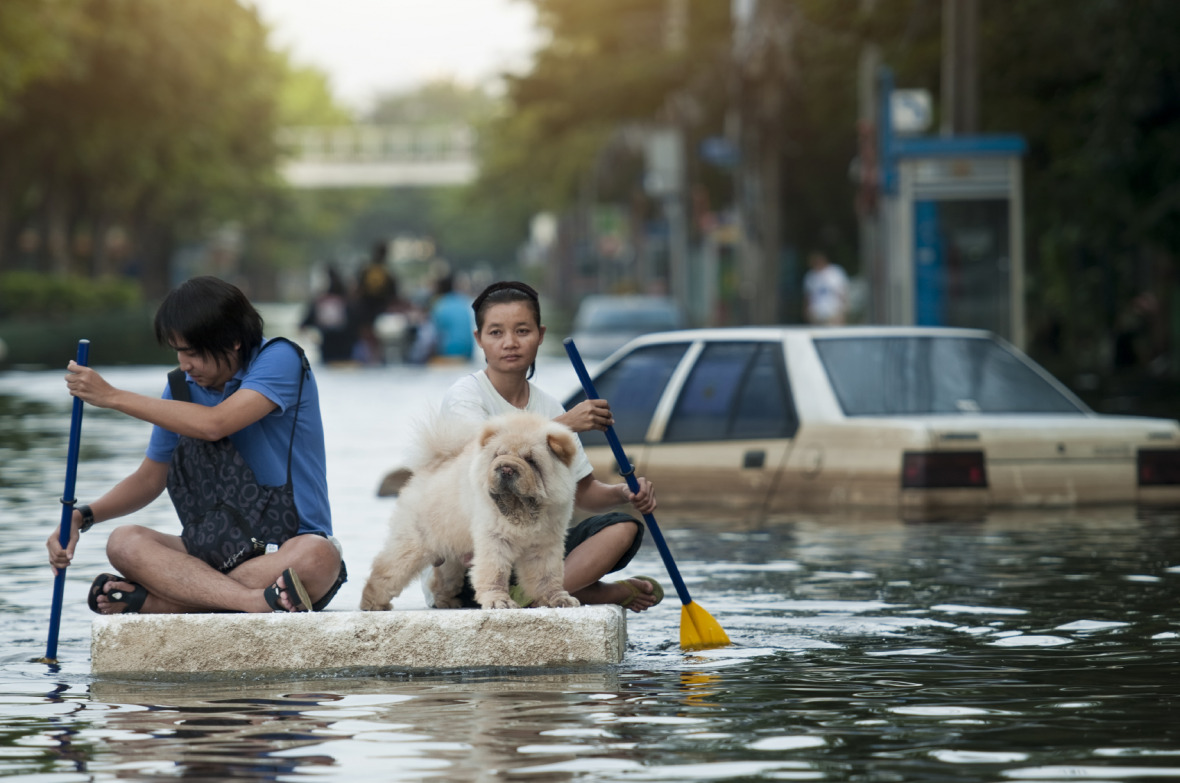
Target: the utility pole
(764, 39)
(670, 147)
(960, 70)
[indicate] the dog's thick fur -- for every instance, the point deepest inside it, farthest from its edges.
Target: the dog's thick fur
(501, 491)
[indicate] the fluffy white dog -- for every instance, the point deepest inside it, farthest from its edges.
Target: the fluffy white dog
(500, 492)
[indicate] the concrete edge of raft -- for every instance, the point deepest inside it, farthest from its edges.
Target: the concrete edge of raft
(440, 639)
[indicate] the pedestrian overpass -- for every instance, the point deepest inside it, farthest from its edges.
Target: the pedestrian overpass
(379, 156)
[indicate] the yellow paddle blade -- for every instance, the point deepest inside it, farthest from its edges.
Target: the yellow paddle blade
(698, 629)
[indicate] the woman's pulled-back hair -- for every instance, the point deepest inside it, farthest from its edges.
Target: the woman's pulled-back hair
(504, 292)
(210, 316)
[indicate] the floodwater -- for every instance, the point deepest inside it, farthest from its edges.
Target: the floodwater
(1023, 647)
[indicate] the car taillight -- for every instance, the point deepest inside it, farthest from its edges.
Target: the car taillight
(943, 469)
(1159, 467)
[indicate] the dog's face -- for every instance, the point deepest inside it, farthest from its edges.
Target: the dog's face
(528, 459)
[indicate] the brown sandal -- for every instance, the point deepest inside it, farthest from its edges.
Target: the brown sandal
(294, 588)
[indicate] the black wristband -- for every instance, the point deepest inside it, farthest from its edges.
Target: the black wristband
(87, 517)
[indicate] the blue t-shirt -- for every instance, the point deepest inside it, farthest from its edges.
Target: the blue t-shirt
(455, 325)
(273, 373)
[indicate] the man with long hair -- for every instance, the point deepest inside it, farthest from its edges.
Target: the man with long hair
(238, 442)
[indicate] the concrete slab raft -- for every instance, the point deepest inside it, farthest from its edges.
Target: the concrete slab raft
(327, 641)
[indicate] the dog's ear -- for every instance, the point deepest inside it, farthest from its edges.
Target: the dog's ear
(562, 443)
(489, 431)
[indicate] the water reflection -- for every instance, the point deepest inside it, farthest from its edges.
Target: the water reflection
(1023, 646)
(458, 731)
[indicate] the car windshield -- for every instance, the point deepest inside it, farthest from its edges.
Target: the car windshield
(896, 376)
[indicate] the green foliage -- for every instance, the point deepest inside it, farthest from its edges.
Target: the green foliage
(440, 101)
(31, 295)
(306, 98)
(34, 42)
(117, 337)
(167, 111)
(605, 65)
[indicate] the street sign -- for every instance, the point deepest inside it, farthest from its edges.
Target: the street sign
(912, 110)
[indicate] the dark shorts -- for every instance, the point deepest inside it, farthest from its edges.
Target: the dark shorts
(578, 534)
(341, 578)
(596, 524)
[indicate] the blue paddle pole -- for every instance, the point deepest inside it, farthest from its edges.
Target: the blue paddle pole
(67, 509)
(698, 629)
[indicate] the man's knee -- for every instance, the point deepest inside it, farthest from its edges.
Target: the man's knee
(316, 557)
(312, 546)
(124, 541)
(320, 563)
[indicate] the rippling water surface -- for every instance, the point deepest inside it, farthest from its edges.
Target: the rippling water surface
(1026, 646)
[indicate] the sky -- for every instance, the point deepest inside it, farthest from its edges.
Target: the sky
(369, 47)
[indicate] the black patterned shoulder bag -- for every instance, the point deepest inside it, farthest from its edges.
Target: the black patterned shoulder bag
(228, 515)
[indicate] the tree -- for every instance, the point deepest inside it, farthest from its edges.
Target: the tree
(34, 42)
(162, 123)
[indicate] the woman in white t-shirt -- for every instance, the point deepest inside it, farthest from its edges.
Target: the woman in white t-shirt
(508, 329)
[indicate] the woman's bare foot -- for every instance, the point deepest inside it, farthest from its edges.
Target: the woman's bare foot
(637, 593)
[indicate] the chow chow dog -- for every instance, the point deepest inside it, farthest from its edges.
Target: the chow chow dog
(499, 493)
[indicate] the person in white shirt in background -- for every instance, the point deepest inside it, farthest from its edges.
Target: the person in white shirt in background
(825, 291)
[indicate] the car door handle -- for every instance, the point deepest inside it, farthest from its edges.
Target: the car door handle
(754, 459)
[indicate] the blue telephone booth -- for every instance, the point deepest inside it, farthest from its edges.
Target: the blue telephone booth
(951, 227)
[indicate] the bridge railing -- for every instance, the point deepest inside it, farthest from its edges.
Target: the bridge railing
(372, 143)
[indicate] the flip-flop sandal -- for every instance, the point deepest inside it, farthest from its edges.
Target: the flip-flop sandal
(132, 601)
(294, 588)
(657, 592)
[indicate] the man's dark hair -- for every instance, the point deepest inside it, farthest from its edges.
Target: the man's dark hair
(210, 316)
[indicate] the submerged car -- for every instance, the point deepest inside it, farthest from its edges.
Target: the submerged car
(605, 322)
(922, 420)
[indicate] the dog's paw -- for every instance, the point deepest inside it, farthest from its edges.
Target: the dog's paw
(448, 603)
(371, 602)
(498, 600)
(561, 600)
(376, 607)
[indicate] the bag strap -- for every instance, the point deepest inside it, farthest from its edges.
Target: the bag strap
(298, 397)
(179, 386)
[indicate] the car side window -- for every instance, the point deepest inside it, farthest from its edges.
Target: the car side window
(633, 387)
(736, 391)
(765, 408)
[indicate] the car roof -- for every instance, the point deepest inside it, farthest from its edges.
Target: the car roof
(821, 332)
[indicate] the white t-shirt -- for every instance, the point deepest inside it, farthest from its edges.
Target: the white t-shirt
(474, 398)
(827, 294)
